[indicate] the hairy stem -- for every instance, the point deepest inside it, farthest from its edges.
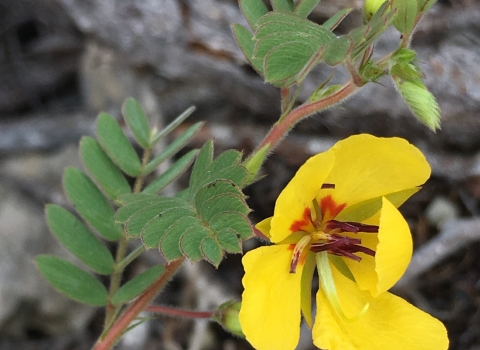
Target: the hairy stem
(119, 327)
(282, 127)
(172, 311)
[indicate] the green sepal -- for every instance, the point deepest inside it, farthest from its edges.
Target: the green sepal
(364, 210)
(306, 288)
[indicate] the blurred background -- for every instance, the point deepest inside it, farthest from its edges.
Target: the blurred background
(63, 61)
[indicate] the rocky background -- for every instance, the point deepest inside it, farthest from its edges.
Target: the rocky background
(63, 61)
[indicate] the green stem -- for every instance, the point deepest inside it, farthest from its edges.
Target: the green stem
(119, 327)
(116, 277)
(130, 257)
(173, 311)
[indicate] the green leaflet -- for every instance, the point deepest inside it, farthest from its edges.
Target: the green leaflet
(137, 285)
(90, 203)
(137, 121)
(72, 281)
(116, 145)
(79, 240)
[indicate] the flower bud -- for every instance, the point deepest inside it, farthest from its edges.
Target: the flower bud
(227, 316)
(371, 7)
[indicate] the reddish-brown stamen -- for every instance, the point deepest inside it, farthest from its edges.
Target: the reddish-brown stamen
(349, 226)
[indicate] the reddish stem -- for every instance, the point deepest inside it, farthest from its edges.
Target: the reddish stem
(172, 311)
(282, 127)
(135, 308)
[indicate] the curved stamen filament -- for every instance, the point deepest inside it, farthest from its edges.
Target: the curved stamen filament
(299, 252)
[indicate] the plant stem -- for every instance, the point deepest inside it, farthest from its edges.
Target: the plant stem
(282, 127)
(130, 257)
(172, 311)
(115, 279)
(139, 181)
(119, 327)
(121, 250)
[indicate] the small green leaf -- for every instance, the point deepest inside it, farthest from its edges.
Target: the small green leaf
(246, 43)
(137, 221)
(371, 7)
(191, 240)
(229, 241)
(337, 51)
(116, 145)
(424, 5)
(204, 159)
(336, 19)
(421, 102)
(252, 10)
(235, 221)
(102, 169)
(172, 126)
(90, 203)
(72, 281)
(137, 121)
(78, 239)
(170, 242)
(137, 285)
(173, 148)
(287, 60)
(135, 206)
(156, 228)
(177, 169)
(223, 202)
(406, 15)
(305, 7)
(211, 251)
(283, 5)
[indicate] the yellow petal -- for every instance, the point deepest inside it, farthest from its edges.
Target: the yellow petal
(389, 323)
(367, 167)
(270, 314)
(264, 226)
(393, 246)
(294, 202)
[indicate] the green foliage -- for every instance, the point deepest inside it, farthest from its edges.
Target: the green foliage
(116, 145)
(406, 15)
(78, 239)
(137, 285)
(211, 218)
(407, 77)
(72, 281)
(94, 198)
(305, 7)
(283, 5)
(253, 10)
(137, 121)
(90, 203)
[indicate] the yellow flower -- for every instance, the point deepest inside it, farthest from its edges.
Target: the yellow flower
(339, 214)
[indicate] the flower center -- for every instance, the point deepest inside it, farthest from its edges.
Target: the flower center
(331, 236)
